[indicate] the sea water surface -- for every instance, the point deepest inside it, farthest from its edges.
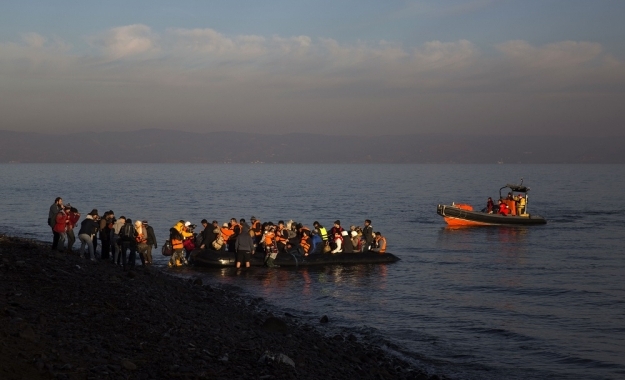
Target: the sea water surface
(478, 303)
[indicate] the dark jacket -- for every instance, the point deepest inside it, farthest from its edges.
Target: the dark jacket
(244, 241)
(151, 237)
(367, 234)
(348, 246)
(88, 226)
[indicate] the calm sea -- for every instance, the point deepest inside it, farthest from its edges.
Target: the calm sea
(480, 303)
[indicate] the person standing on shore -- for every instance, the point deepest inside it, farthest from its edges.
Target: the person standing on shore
(60, 227)
(117, 226)
(88, 229)
(127, 239)
(73, 218)
(141, 242)
(105, 234)
(151, 242)
(54, 209)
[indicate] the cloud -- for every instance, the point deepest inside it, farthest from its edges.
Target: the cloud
(127, 41)
(202, 79)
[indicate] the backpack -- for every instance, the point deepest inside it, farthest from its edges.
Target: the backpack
(127, 232)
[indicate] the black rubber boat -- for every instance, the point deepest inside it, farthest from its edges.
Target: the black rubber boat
(209, 258)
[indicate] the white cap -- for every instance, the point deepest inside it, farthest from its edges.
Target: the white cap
(187, 223)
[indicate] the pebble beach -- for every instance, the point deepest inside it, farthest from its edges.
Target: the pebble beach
(69, 318)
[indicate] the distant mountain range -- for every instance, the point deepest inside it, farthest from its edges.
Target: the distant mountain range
(167, 146)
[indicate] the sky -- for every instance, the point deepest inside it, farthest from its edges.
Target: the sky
(485, 67)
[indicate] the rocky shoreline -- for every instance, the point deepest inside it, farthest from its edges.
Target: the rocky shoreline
(67, 318)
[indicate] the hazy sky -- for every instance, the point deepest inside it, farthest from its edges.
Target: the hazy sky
(549, 67)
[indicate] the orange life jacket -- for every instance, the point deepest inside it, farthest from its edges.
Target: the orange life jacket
(305, 243)
(226, 233)
(256, 228)
(280, 238)
(269, 238)
(176, 244)
(382, 244)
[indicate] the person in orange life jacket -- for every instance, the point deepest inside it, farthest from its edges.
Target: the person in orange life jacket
(176, 238)
(141, 240)
(380, 243)
(305, 241)
(367, 235)
(151, 242)
(60, 227)
(235, 227)
(226, 234)
(503, 208)
(72, 219)
(271, 249)
(348, 245)
(338, 243)
(54, 210)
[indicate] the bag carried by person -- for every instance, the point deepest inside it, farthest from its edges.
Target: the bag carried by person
(218, 243)
(189, 244)
(167, 249)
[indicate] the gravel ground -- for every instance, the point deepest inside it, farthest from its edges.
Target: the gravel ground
(65, 317)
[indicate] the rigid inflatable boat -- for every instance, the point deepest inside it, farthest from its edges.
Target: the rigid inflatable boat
(463, 215)
(209, 258)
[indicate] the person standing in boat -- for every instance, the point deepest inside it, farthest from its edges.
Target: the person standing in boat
(367, 234)
(522, 202)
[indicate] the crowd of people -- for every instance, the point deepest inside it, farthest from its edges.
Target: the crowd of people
(120, 236)
(511, 205)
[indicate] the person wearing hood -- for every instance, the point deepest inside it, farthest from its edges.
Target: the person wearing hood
(348, 245)
(151, 242)
(244, 246)
(88, 229)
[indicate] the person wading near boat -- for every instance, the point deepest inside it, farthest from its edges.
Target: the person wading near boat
(141, 240)
(380, 243)
(175, 237)
(258, 231)
(244, 246)
(54, 210)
